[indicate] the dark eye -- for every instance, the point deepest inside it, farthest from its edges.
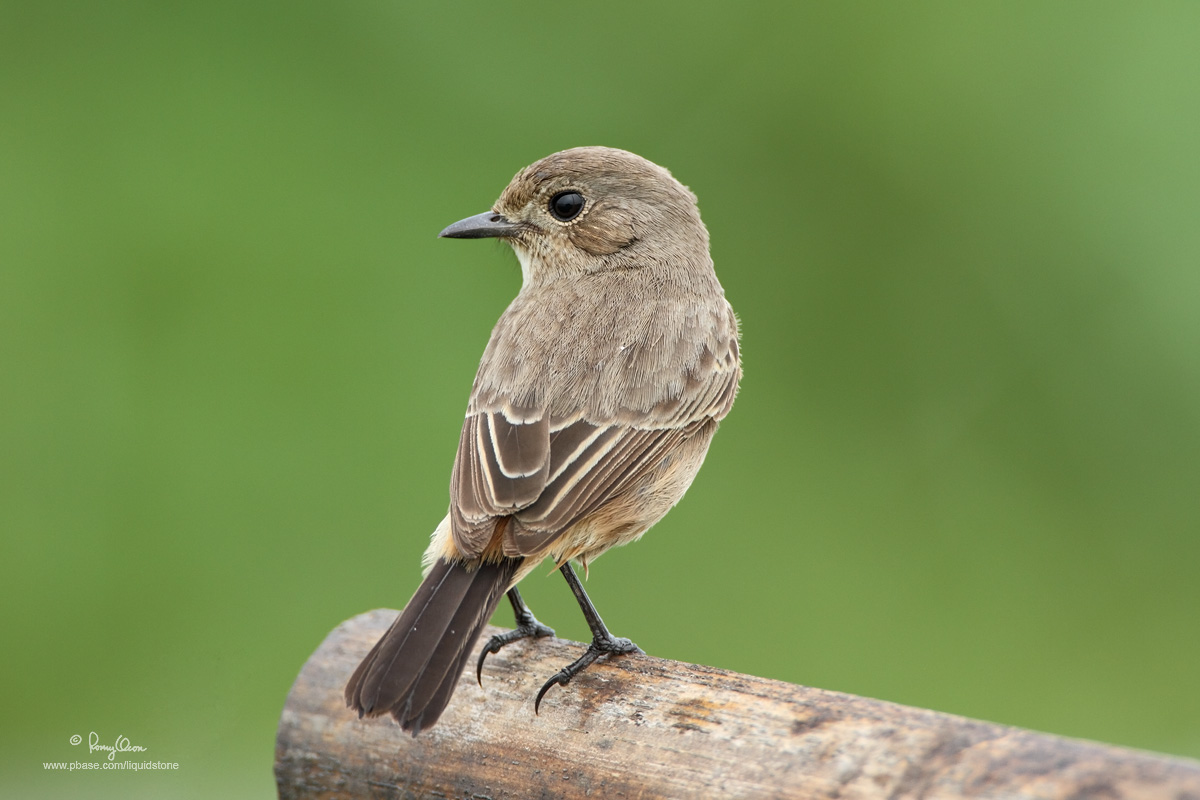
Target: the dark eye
(566, 206)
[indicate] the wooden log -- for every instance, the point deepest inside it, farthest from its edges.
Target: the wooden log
(644, 727)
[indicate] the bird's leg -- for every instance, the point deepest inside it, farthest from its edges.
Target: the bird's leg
(603, 642)
(527, 627)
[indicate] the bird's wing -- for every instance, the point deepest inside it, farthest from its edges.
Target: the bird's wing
(548, 473)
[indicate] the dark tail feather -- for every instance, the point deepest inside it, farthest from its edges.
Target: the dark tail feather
(412, 670)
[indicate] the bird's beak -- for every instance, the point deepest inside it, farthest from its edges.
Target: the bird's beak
(481, 226)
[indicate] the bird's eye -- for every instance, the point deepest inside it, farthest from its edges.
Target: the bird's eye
(565, 206)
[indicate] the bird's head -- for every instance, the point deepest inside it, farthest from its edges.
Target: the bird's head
(593, 209)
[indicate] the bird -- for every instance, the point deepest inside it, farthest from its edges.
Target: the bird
(592, 410)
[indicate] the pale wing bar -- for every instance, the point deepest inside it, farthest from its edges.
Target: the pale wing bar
(500, 467)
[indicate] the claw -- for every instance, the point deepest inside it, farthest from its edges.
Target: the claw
(558, 679)
(490, 647)
(527, 628)
(599, 647)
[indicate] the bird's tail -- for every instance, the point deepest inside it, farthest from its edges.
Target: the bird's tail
(412, 670)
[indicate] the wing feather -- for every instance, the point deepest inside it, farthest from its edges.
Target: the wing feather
(501, 467)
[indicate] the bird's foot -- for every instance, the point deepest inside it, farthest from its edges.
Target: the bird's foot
(600, 646)
(528, 627)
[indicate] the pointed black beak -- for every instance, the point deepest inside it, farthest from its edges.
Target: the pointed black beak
(481, 226)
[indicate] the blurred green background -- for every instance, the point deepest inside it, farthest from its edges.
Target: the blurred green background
(963, 239)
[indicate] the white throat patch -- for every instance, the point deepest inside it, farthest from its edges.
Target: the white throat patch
(524, 258)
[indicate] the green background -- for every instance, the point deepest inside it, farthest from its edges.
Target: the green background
(963, 240)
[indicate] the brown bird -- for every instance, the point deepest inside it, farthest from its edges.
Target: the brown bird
(594, 405)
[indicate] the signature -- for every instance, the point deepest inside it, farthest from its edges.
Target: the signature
(122, 746)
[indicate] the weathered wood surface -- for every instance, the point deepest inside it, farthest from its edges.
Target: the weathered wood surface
(643, 727)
